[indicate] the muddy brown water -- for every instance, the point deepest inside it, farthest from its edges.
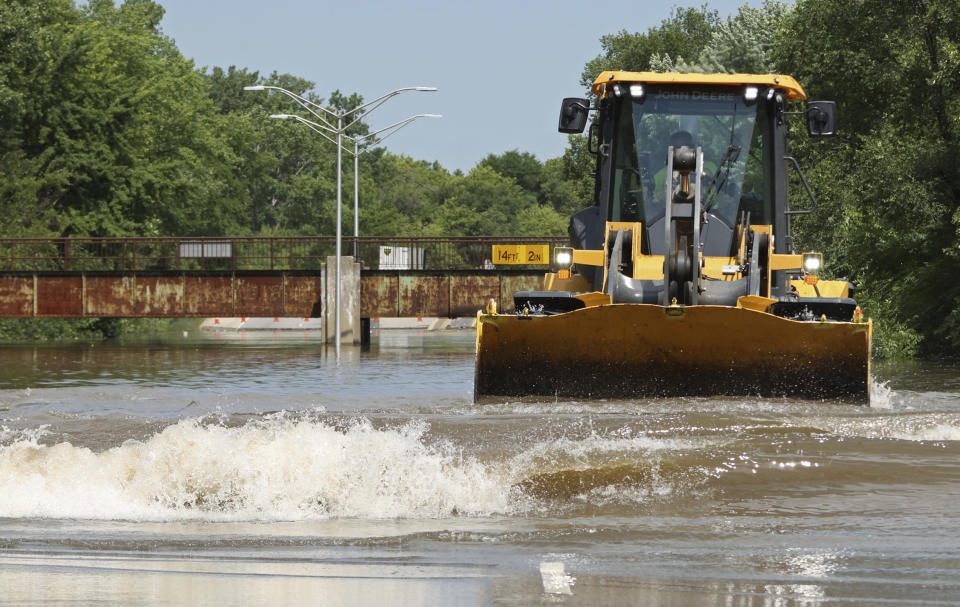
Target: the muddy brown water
(242, 468)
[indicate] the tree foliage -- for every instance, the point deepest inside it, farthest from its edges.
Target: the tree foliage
(107, 130)
(683, 34)
(890, 185)
(108, 126)
(744, 43)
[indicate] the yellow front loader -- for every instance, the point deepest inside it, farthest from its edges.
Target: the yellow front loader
(681, 278)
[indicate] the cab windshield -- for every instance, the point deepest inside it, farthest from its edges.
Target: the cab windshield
(733, 135)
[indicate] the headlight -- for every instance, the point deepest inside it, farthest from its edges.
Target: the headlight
(812, 262)
(563, 257)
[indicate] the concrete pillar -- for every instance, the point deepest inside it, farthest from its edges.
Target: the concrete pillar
(349, 300)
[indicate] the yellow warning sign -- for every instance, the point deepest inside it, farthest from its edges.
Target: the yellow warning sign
(527, 254)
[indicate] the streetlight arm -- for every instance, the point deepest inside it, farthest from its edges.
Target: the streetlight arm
(393, 128)
(324, 127)
(313, 126)
(311, 107)
(303, 102)
(381, 100)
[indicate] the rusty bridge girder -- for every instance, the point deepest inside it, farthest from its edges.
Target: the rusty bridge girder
(225, 294)
(165, 277)
(137, 295)
(451, 294)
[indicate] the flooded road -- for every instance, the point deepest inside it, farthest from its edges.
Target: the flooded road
(242, 469)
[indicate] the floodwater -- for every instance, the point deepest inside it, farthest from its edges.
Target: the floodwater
(235, 468)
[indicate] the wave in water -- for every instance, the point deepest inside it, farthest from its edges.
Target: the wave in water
(917, 427)
(281, 468)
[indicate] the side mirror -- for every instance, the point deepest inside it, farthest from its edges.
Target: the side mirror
(573, 115)
(822, 118)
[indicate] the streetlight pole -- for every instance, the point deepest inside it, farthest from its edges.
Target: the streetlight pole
(340, 129)
(336, 295)
(356, 196)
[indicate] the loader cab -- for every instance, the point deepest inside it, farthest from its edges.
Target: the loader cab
(735, 135)
(736, 120)
(733, 126)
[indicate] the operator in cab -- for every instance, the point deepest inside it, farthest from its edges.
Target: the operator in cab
(682, 139)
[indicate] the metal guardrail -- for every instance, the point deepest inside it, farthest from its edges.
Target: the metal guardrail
(254, 253)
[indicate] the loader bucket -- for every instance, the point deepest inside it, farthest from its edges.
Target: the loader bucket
(640, 350)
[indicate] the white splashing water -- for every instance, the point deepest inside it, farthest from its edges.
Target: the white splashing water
(881, 395)
(272, 469)
(577, 453)
(286, 468)
(920, 427)
(936, 432)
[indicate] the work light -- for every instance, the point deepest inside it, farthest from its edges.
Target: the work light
(563, 257)
(812, 262)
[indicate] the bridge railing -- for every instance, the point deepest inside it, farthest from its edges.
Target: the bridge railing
(254, 253)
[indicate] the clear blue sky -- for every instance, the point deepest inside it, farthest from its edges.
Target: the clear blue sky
(501, 67)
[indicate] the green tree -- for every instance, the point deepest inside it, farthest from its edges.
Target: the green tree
(226, 89)
(482, 203)
(30, 190)
(575, 170)
(741, 44)
(401, 196)
(109, 125)
(683, 34)
(890, 185)
(522, 167)
(540, 220)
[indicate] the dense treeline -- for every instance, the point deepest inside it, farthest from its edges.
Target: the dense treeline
(106, 129)
(891, 183)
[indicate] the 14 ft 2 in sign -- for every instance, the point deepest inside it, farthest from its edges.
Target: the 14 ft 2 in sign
(515, 254)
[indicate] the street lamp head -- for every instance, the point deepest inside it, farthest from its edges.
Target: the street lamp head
(281, 116)
(426, 88)
(258, 87)
(430, 115)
